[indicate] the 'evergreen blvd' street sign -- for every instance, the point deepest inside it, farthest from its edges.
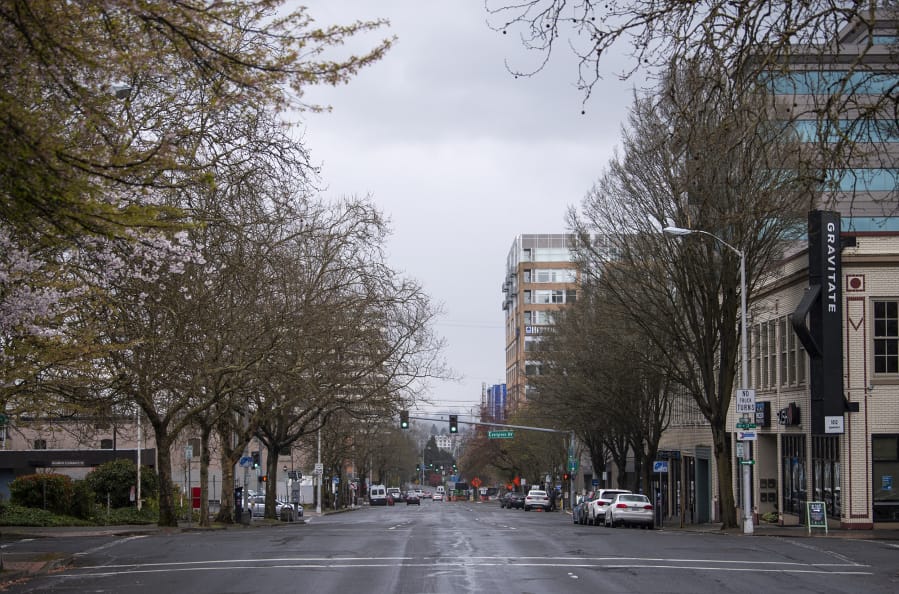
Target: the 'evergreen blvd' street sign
(500, 434)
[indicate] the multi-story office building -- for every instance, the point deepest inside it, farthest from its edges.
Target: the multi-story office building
(494, 403)
(541, 278)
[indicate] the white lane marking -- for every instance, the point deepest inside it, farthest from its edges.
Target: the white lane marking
(456, 562)
(109, 544)
(573, 576)
(486, 559)
(307, 565)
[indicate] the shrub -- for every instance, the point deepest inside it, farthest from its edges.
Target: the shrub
(116, 478)
(82, 505)
(52, 492)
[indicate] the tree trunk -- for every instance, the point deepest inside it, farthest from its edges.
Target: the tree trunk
(226, 509)
(271, 485)
(167, 516)
(204, 476)
(724, 462)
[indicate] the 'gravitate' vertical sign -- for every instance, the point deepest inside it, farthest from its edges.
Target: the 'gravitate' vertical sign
(826, 322)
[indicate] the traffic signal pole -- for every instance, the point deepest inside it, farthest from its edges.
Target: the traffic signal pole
(404, 415)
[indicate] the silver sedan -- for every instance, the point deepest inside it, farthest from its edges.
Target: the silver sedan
(630, 509)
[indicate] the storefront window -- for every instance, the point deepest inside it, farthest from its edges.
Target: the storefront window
(826, 475)
(793, 480)
(885, 471)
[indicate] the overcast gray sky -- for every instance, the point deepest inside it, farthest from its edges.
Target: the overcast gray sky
(461, 157)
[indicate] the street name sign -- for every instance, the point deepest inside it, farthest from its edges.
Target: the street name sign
(747, 435)
(500, 434)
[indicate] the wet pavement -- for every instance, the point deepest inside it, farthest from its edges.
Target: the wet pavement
(15, 566)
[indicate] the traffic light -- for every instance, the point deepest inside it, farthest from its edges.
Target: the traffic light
(255, 459)
(454, 423)
(262, 478)
(404, 419)
(418, 468)
(566, 476)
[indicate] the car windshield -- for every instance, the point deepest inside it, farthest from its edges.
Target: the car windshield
(537, 494)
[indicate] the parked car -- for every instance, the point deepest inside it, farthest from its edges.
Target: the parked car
(516, 501)
(437, 496)
(536, 499)
(596, 510)
(283, 509)
(412, 498)
(579, 514)
(629, 509)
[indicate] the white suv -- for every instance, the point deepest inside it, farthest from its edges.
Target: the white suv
(536, 498)
(596, 509)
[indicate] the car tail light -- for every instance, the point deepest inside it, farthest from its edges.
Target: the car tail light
(621, 506)
(647, 507)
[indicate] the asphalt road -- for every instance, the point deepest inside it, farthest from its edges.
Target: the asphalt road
(463, 547)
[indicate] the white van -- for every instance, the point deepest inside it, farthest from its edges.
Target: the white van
(440, 494)
(377, 495)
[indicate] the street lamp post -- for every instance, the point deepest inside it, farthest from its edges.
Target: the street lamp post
(744, 357)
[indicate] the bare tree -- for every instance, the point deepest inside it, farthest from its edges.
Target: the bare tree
(825, 58)
(702, 156)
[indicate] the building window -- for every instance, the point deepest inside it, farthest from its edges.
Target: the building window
(886, 337)
(757, 355)
(544, 296)
(543, 318)
(793, 480)
(785, 376)
(885, 469)
(40, 444)
(826, 472)
(105, 444)
(527, 275)
(527, 297)
(554, 275)
(763, 355)
(527, 318)
(772, 353)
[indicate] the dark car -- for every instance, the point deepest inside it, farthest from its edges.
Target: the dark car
(504, 499)
(579, 515)
(516, 501)
(412, 498)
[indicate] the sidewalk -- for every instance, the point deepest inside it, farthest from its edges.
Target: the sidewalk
(797, 531)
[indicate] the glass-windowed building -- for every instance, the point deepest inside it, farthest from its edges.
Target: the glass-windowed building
(541, 278)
